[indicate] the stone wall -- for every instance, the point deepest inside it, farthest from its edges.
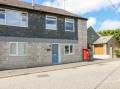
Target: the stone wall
(82, 36)
(37, 55)
(75, 57)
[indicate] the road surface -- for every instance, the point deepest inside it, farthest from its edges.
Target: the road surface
(97, 76)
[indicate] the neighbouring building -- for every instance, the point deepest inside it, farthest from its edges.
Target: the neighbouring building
(39, 36)
(103, 47)
(92, 36)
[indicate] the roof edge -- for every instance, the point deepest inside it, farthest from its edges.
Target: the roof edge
(34, 9)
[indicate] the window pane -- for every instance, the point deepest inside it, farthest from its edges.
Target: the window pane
(48, 26)
(13, 18)
(66, 49)
(71, 48)
(69, 26)
(21, 48)
(24, 19)
(2, 16)
(51, 23)
(13, 49)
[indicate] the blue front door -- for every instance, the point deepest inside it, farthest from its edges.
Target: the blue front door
(55, 54)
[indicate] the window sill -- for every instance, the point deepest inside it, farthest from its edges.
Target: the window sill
(13, 25)
(69, 31)
(51, 29)
(17, 55)
(69, 54)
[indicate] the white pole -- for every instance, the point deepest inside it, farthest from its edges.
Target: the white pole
(33, 4)
(64, 4)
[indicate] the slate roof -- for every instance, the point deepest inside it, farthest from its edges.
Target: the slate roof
(26, 5)
(103, 40)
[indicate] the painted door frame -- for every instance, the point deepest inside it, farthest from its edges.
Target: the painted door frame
(59, 52)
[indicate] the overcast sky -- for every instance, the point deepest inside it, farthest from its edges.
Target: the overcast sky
(100, 13)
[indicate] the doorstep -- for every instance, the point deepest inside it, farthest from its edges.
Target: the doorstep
(20, 72)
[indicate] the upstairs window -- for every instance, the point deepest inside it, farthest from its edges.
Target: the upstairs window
(13, 18)
(2, 16)
(69, 25)
(51, 22)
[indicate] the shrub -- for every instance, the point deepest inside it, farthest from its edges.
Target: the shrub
(115, 33)
(117, 53)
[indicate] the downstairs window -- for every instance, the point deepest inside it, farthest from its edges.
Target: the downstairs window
(17, 49)
(69, 49)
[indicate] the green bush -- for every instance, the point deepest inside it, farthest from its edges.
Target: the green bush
(115, 33)
(117, 53)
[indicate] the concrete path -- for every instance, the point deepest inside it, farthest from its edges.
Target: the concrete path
(97, 76)
(18, 72)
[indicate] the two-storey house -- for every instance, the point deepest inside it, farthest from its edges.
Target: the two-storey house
(39, 36)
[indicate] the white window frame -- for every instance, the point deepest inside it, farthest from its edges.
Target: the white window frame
(26, 18)
(69, 49)
(17, 49)
(51, 19)
(71, 21)
(14, 24)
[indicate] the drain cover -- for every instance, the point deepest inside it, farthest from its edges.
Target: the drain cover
(101, 64)
(43, 75)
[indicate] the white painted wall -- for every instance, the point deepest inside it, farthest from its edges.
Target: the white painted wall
(101, 56)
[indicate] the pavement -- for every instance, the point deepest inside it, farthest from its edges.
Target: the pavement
(104, 75)
(19, 72)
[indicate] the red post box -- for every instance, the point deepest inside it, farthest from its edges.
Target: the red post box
(85, 54)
